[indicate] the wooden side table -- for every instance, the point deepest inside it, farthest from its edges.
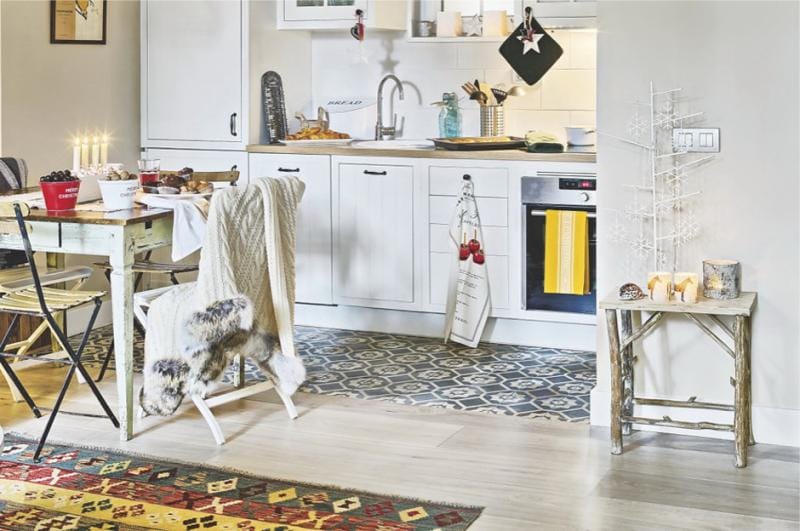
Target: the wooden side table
(621, 337)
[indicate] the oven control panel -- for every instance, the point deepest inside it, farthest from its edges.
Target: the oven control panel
(560, 188)
(577, 184)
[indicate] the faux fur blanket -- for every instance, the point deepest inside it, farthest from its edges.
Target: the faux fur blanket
(242, 302)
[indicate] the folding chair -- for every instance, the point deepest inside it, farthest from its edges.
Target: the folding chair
(42, 302)
(20, 277)
(140, 267)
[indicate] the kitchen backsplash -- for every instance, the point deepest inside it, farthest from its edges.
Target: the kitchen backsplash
(343, 68)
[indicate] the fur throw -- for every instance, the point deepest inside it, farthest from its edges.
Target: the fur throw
(242, 302)
(211, 339)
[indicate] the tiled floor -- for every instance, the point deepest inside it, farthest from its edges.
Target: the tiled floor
(499, 379)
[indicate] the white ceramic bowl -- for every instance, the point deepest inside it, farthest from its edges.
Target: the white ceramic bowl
(118, 195)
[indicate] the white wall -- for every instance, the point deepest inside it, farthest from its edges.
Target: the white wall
(566, 95)
(737, 61)
(52, 91)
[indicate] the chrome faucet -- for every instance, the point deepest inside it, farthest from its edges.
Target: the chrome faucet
(380, 130)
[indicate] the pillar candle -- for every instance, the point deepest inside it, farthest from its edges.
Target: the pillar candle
(85, 152)
(104, 151)
(96, 151)
(76, 155)
(495, 23)
(659, 284)
(448, 24)
(686, 287)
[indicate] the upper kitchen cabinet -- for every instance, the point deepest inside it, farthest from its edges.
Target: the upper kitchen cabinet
(337, 14)
(564, 13)
(194, 74)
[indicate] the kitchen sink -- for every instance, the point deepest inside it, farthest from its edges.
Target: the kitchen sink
(393, 144)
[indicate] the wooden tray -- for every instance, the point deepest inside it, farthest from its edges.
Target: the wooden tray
(479, 143)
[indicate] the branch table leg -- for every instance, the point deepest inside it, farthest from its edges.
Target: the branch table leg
(741, 418)
(626, 324)
(616, 381)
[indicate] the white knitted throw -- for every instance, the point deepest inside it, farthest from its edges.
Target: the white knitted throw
(248, 255)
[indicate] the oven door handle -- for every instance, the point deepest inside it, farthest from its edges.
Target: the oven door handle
(590, 215)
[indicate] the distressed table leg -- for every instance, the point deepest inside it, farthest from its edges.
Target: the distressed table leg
(626, 324)
(121, 260)
(616, 381)
(741, 416)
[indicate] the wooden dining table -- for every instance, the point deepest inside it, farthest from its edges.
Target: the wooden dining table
(119, 236)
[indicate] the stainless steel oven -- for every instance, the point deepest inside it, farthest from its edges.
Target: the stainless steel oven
(556, 191)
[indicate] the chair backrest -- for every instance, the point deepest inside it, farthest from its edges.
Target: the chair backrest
(230, 176)
(12, 222)
(13, 176)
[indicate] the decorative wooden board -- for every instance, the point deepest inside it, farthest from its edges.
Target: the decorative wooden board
(274, 106)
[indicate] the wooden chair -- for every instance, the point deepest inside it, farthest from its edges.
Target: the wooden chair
(41, 301)
(146, 265)
(204, 404)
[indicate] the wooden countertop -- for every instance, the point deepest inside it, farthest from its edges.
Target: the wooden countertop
(575, 155)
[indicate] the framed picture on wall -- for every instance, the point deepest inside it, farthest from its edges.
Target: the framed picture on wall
(78, 21)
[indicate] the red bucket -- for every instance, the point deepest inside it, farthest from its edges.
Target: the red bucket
(60, 195)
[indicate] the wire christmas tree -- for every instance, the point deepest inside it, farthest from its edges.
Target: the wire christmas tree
(660, 218)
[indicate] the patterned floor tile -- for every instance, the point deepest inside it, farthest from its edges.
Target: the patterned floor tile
(499, 379)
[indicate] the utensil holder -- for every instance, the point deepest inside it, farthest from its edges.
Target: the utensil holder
(493, 121)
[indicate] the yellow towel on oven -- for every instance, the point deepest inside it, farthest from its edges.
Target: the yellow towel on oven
(566, 252)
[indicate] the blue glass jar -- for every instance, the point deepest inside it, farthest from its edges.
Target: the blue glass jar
(449, 116)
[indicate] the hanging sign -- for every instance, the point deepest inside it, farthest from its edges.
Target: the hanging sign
(530, 50)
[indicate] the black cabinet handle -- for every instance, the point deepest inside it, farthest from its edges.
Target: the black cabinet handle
(371, 172)
(289, 170)
(233, 124)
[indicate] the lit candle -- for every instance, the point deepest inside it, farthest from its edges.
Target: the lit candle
(85, 152)
(104, 151)
(96, 151)
(686, 287)
(659, 285)
(76, 155)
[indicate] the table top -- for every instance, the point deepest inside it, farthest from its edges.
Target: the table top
(137, 214)
(743, 305)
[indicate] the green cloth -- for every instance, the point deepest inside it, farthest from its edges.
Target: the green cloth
(546, 147)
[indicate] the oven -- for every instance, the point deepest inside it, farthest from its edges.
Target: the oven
(556, 191)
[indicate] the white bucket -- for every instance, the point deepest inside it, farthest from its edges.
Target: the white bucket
(118, 195)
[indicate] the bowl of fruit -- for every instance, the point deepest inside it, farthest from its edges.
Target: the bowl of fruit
(60, 190)
(119, 189)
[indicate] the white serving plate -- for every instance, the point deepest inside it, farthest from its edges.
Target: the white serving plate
(327, 142)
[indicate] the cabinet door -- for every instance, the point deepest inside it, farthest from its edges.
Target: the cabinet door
(311, 10)
(192, 72)
(314, 267)
(175, 159)
(374, 250)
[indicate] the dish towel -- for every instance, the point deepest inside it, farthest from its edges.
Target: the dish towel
(188, 223)
(566, 252)
(468, 300)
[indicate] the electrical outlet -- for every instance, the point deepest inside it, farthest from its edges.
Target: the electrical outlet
(696, 140)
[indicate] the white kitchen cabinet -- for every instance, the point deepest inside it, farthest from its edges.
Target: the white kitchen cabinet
(497, 266)
(194, 74)
(336, 14)
(200, 160)
(314, 268)
(564, 13)
(374, 246)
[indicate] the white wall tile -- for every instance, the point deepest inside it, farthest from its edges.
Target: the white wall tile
(429, 69)
(569, 90)
(582, 118)
(583, 49)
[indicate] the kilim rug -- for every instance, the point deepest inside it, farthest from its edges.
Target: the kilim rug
(534, 382)
(84, 489)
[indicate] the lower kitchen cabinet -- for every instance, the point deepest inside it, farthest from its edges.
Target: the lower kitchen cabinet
(314, 262)
(374, 246)
(202, 160)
